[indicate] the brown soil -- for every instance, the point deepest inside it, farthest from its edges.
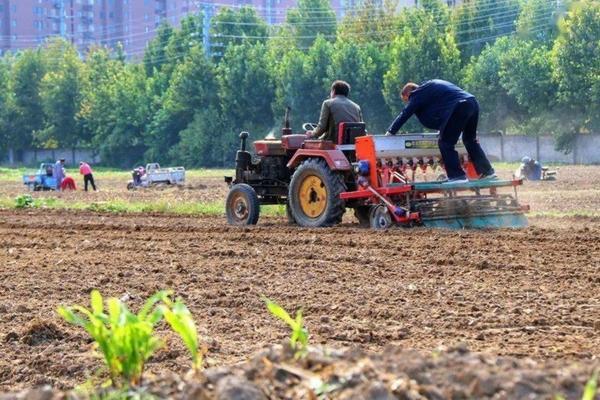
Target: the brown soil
(325, 373)
(523, 293)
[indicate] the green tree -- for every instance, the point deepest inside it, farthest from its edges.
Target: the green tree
(193, 87)
(5, 105)
(526, 76)
(538, 20)
(61, 92)
(205, 142)
(372, 22)
(576, 62)
(118, 114)
(155, 55)
(27, 112)
(246, 91)
(234, 27)
(479, 22)
(310, 19)
(482, 78)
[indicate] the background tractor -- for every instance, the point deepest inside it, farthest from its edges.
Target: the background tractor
(318, 180)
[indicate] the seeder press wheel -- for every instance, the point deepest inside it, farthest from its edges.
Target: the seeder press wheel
(380, 217)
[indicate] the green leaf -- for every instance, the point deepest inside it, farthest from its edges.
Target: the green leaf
(97, 306)
(591, 387)
(279, 312)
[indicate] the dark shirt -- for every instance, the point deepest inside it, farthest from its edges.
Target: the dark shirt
(432, 102)
(333, 111)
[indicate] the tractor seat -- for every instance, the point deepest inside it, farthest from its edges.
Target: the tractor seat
(349, 131)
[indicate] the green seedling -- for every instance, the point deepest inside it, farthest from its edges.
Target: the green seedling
(125, 340)
(180, 319)
(299, 336)
(591, 387)
(24, 201)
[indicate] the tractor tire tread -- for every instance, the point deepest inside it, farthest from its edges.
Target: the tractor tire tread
(336, 208)
(253, 204)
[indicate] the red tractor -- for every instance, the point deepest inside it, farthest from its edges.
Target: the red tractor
(374, 175)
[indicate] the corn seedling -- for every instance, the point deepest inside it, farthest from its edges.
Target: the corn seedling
(125, 340)
(180, 319)
(591, 387)
(299, 335)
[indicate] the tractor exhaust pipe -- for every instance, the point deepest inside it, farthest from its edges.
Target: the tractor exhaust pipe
(286, 130)
(243, 137)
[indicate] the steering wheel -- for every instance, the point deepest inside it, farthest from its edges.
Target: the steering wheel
(309, 126)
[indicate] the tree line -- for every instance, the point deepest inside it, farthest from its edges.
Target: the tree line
(534, 65)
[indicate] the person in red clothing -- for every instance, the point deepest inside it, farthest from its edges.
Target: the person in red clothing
(88, 177)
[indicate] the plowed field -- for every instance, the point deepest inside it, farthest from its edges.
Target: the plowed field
(531, 292)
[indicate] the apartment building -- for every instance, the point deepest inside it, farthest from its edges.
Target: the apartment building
(28, 23)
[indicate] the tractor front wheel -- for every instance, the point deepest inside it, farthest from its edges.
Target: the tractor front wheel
(242, 205)
(314, 194)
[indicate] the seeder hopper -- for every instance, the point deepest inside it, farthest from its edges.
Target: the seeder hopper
(381, 177)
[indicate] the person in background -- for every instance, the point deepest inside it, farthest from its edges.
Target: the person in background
(443, 106)
(533, 170)
(88, 177)
(59, 172)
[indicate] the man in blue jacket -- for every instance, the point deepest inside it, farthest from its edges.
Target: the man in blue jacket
(444, 106)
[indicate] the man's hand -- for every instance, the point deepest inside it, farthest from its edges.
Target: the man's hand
(309, 134)
(388, 133)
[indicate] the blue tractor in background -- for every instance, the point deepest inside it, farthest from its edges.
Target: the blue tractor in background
(42, 179)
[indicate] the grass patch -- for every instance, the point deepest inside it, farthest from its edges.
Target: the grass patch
(216, 208)
(16, 174)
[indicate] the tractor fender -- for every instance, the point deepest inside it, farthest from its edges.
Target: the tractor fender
(335, 159)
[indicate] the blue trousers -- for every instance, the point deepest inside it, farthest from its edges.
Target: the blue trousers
(463, 120)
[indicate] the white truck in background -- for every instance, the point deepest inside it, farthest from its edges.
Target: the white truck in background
(154, 175)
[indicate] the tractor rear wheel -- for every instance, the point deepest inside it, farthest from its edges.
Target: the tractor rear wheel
(288, 213)
(242, 205)
(362, 215)
(314, 194)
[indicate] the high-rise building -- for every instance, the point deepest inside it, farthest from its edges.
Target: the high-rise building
(28, 23)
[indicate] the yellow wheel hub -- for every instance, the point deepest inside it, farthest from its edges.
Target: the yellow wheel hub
(313, 196)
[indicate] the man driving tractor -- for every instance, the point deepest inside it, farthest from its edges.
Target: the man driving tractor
(338, 108)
